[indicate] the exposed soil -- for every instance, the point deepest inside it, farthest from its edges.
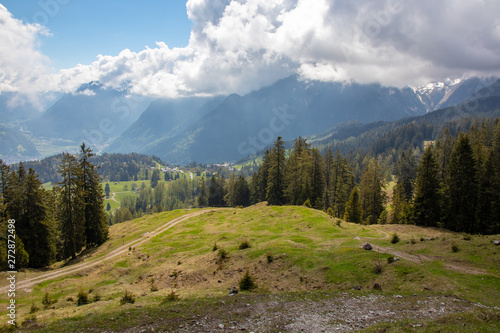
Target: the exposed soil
(299, 313)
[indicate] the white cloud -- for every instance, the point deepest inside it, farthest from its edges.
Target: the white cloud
(21, 63)
(241, 45)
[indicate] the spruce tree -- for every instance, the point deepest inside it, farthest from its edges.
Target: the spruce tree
(342, 183)
(71, 205)
(371, 192)
(406, 173)
(327, 191)
(353, 207)
(400, 205)
(461, 188)
(203, 196)
(216, 191)
(276, 177)
(107, 190)
(317, 179)
(96, 222)
(229, 197)
(155, 178)
(426, 209)
(241, 192)
(298, 173)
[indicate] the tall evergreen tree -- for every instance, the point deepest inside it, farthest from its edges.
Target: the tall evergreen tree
(327, 191)
(400, 205)
(155, 178)
(107, 190)
(216, 191)
(241, 192)
(96, 221)
(342, 183)
(426, 209)
(276, 177)
(461, 188)
(298, 173)
(406, 173)
(203, 196)
(317, 179)
(71, 207)
(371, 192)
(229, 198)
(353, 207)
(261, 177)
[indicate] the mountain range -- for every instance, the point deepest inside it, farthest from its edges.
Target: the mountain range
(221, 128)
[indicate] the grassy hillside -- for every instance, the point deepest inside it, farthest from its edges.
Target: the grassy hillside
(300, 255)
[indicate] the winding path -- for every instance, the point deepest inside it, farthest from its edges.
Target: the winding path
(27, 283)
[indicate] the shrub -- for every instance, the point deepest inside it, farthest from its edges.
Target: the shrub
(244, 245)
(127, 298)
(467, 237)
(247, 282)
(395, 239)
(377, 269)
(390, 260)
(34, 308)
(222, 254)
(269, 258)
(70, 299)
(171, 297)
(454, 248)
(330, 211)
(82, 298)
(154, 288)
(47, 300)
(413, 241)
(215, 247)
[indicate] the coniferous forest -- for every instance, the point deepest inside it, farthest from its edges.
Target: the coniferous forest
(56, 224)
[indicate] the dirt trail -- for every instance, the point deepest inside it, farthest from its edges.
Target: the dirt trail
(27, 283)
(420, 258)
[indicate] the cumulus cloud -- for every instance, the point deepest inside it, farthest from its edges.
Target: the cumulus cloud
(21, 63)
(241, 45)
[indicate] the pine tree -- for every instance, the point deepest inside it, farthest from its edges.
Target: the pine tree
(327, 191)
(39, 237)
(241, 192)
(406, 173)
(203, 196)
(216, 191)
(298, 172)
(229, 197)
(317, 179)
(494, 228)
(107, 190)
(371, 192)
(155, 178)
(261, 178)
(71, 206)
(276, 177)
(461, 188)
(353, 207)
(400, 205)
(342, 183)
(96, 222)
(426, 209)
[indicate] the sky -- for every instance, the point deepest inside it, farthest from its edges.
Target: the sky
(209, 47)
